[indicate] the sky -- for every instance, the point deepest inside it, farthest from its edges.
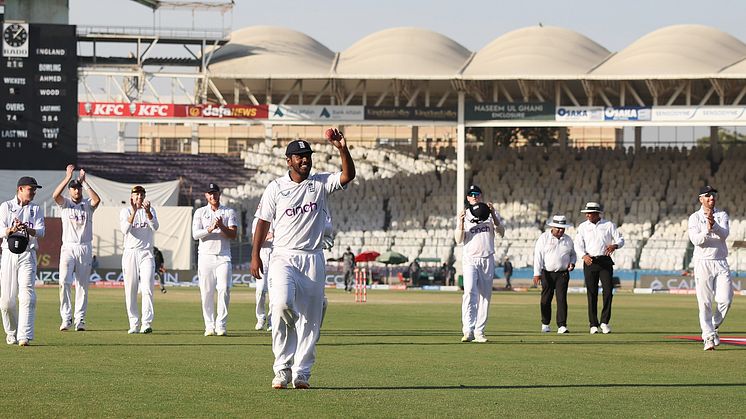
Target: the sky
(340, 23)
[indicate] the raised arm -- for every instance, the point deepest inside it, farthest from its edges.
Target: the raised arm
(57, 194)
(95, 199)
(338, 140)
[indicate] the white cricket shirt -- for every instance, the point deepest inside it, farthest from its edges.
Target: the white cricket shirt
(213, 243)
(479, 238)
(709, 244)
(28, 214)
(77, 221)
(298, 211)
(593, 238)
(139, 234)
(553, 254)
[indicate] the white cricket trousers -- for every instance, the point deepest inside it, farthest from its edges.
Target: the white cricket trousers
(215, 273)
(75, 264)
(262, 286)
(475, 305)
(138, 268)
(712, 278)
(297, 299)
(17, 275)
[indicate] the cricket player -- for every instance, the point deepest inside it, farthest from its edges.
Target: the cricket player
(477, 233)
(214, 225)
(76, 254)
(263, 282)
(138, 222)
(296, 207)
(709, 227)
(595, 241)
(19, 216)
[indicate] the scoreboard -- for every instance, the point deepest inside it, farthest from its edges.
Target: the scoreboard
(39, 96)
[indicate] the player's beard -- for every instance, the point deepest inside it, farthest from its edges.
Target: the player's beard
(301, 168)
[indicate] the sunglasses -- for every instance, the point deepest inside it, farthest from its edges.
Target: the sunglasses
(474, 194)
(710, 195)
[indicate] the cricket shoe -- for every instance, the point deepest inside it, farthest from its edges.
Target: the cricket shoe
(594, 330)
(467, 338)
(301, 382)
(259, 325)
(80, 327)
(209, 332)
(65, 325)
(133, 330)
(562, 330)
(545, 328)
(716, 338)
(709, 344)
(221, 333)
(163, 290)
(146, 329)
(23, 342)
(10, 339)
(605, 328)
(480, 339)
(282, 378)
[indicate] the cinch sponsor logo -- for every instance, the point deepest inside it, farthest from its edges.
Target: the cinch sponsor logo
(479, 229)
(301, 209)
(139, 225)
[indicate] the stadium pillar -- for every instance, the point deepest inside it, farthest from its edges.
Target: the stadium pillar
(619, 137)
(460, 152)
(563, 138)
(120, 138)
(489, 141)
(194, 149)
(638, 139)
(268, 134)
(715, 150)
(415, 135)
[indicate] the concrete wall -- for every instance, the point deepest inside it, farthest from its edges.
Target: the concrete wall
(38, 11)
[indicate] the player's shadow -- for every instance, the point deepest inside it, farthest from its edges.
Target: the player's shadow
(539, 386)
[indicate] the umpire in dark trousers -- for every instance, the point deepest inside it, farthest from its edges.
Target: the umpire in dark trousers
(554, 258)
(595, 241)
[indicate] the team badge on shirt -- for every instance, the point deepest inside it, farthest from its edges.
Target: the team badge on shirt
(311, 187)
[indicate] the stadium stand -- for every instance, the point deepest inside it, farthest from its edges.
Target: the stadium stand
(405, 204)
(159, 167)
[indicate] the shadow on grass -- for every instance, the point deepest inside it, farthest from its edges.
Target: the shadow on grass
(539, 386)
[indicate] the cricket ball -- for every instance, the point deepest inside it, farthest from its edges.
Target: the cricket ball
(329, 133)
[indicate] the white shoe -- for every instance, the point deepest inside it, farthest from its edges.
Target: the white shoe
(282, 378)
(716, 339)
(23, 342)
(269, 327)
(146, 329)
(605, 328)
(221, 333)
(259, 325)
(209, 332)
(80, 327)
(467, 338)
(545, 328)
(132, 331)
(594, 330)
(65, 325)
(709, 344)
(10, 339)
(480, 339)
(301, 382)
(562, 330)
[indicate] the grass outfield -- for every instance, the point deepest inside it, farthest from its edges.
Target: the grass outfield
(399, 355)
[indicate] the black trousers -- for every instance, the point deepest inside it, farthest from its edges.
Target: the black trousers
(551, 282)
(349, 277)
(602, 268)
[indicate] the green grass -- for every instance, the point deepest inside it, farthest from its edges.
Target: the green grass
(399, 355)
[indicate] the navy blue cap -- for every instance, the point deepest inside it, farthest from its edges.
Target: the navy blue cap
(298, 147)
(28, 181)
(707, 189)
(474, 190)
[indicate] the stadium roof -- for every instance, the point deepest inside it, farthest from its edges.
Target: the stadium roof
(271, 52)
(533, 53)
(410, 53)
(536, 53)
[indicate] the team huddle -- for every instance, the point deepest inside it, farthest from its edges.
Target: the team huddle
(291, 228)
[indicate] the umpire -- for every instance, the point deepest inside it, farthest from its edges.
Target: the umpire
(554, 258)
(596, 240)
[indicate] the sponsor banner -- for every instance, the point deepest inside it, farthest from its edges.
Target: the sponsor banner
(676, 282)
(508, 111)
(170, 110)
(410, 113)
(48, 253)
(240, 277)
(311, 113)
(627, 113)
(580, 113)
(642, 291)
(698, 113)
